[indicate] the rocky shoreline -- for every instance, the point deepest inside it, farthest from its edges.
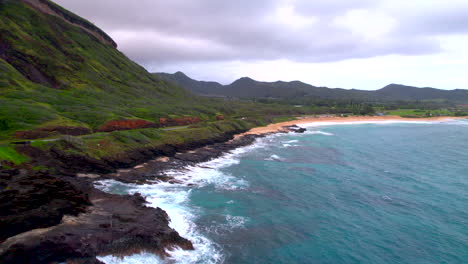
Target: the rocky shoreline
(154, 170)
(63, 218)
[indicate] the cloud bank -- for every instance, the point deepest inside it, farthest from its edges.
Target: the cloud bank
(167, 33)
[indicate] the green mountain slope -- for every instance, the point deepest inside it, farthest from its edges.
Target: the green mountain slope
(58, 69)
(197, 87)
(248, 88)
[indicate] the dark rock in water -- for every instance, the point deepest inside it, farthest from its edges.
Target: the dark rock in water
(295, 128)
(111, 224)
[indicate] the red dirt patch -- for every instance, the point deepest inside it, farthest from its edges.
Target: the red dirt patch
(116, 125)
(178, 121)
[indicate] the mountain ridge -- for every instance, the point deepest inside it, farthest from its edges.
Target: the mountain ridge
(247, 87)
(50, 8)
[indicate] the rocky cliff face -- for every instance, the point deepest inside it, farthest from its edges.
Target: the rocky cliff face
(29, 201)
(48, 219)
(69, 220)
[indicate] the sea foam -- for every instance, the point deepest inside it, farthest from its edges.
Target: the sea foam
(377, 122)
(319, 133)
(174, 199)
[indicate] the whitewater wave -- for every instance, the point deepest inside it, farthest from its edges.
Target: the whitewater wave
(236, 221)
(457, 122)
(319, 133)
(274, 157)
(384, 122)
(174, 199)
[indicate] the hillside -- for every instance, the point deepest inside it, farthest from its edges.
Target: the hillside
(72, 110)
(57, 69)
(248, 88)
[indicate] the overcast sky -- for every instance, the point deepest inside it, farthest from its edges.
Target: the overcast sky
(364, 44)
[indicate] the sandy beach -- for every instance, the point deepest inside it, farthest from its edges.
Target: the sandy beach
(279, 127)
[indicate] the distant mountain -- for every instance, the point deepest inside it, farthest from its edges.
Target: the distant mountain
(403, 92)
(197, 87)
(246, 87)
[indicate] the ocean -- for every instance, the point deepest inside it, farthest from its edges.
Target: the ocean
(377, 193)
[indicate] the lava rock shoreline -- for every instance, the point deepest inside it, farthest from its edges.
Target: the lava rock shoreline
(64, 218)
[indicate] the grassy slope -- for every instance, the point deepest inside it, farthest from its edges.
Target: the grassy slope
(87, 83)
(53, 73)
(113, 144)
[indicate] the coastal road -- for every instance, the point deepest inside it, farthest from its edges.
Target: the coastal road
(55, 139)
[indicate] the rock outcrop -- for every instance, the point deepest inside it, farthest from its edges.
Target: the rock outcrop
(36, 201)
(155, 169)
(50, 219)
(75, 222)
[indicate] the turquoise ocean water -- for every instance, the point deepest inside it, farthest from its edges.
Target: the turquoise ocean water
(337, 194)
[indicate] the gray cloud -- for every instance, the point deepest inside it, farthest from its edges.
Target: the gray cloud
(174, 31)
(448, 19)
(331, 7)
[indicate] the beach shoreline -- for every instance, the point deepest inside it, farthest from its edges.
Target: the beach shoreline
(281, 126)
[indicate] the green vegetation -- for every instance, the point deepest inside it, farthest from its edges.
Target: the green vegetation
(8, 153)
(279, 119)
(421, 112)
(55, 74)
(297, 91)
(112, 144)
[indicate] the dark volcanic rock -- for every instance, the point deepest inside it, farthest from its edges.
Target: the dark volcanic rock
(36, 201)
(155, 169)
(67, 163)
(50, 219)
(295, 129)
(118, 225)
(62, 162)
(215, 150)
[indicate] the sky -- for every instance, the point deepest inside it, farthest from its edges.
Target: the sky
(362, 44)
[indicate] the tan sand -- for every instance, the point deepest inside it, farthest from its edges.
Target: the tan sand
(278, 127)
